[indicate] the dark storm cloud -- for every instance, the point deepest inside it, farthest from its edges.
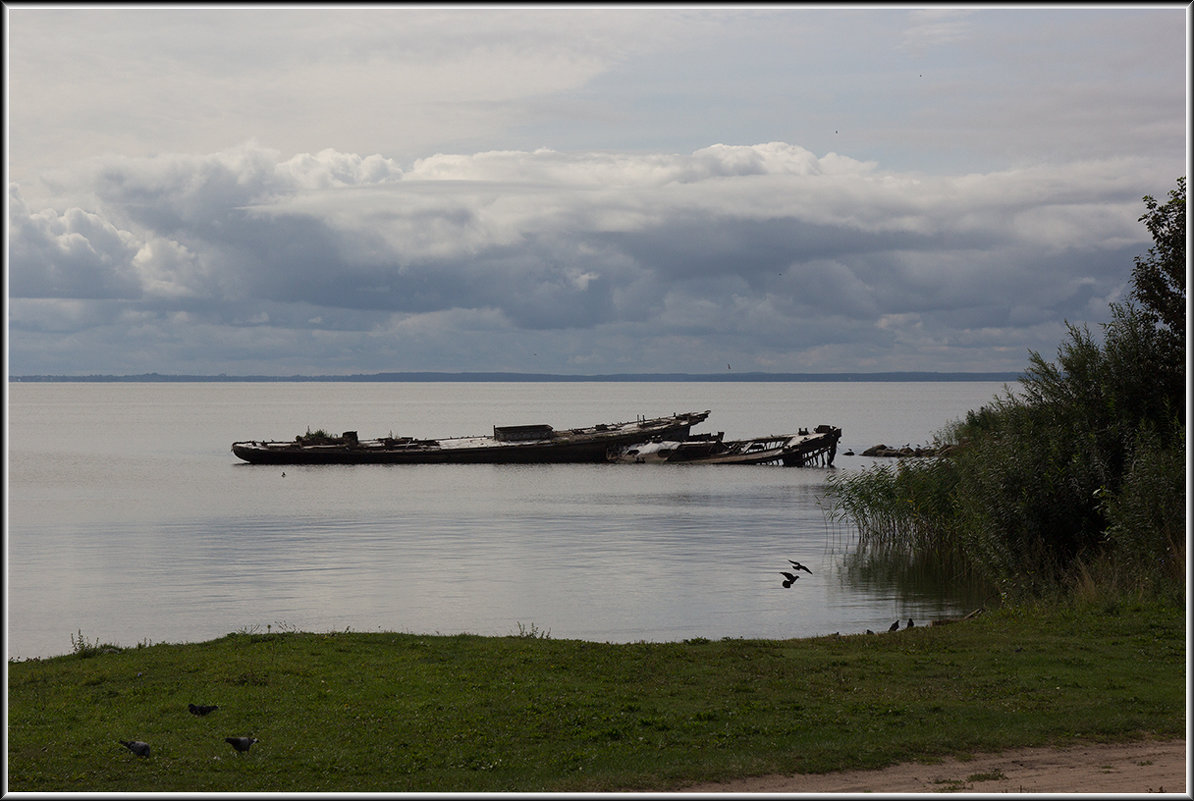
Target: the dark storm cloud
(768, 253)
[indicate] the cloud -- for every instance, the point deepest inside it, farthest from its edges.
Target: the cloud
(578, 189)
(765, 254)
(75, 254)
(97, 81)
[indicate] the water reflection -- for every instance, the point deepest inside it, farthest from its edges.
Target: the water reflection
(914, 579)
(701, 560)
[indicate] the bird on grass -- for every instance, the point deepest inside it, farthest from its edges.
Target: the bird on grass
(136, 746)
(240, 743)
(910, 624)
(201, 710)
(868, 631)
(799, 566)
(894, 626)
(789, 578)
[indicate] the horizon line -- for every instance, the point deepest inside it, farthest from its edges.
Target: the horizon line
(495, 376)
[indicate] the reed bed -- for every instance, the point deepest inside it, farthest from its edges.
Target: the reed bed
(904, 514)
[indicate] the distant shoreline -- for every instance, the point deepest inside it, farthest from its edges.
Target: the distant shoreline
(523, 377)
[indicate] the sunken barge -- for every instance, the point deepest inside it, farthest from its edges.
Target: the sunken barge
(529, 444)
(654, 440)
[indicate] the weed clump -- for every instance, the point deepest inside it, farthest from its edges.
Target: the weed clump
(82, 648)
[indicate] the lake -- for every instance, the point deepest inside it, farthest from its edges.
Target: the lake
(130, 521)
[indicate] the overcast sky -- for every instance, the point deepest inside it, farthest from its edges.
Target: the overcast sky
(578, 190)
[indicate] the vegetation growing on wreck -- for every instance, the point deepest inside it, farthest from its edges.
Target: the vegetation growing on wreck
(319, 436)
(1075, 482)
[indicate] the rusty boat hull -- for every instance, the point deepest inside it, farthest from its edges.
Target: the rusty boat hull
(533, 444)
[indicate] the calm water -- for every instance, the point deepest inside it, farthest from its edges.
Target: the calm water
(129, 518)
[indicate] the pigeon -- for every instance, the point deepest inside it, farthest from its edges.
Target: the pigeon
(201, 710)
(136, 746)
(798, 566)
(894, 626)
(240, 743)
(910, 623)
(790, 578)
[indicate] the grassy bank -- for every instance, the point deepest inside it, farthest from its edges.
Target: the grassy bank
(402, 712)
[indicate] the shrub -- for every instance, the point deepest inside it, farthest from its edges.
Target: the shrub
(1146, 518)
(1081, 475)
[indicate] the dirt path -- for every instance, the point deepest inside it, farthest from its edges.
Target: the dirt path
(1150, 766)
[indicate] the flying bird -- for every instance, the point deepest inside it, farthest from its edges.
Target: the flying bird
(136, 746)
(894, 626)
(240, 743)
(790, 578)
(201, 710)
(799, 566)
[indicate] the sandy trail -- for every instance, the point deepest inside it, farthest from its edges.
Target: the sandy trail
(1149, 766)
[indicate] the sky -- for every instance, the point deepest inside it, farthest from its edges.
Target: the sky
(578, 190)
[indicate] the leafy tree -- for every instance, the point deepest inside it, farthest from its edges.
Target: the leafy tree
(1159, 279)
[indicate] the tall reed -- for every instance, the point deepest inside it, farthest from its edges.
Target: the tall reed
(901, 511)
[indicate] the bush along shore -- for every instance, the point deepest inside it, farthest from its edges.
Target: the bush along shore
(527, 713)
(1075, 483)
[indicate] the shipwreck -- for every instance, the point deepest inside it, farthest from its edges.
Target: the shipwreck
(646, 440)
(803, 449)
(526, 444)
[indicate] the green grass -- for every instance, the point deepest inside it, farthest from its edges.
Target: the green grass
(402, 712)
